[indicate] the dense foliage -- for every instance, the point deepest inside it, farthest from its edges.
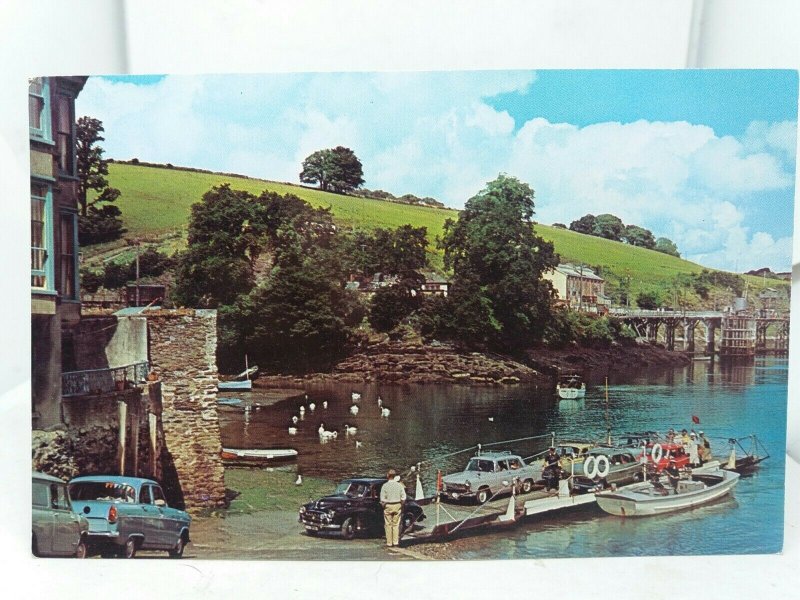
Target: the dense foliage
(589, 330)
(336, 169)
(498, 298)
(611, 227)
(99, 220)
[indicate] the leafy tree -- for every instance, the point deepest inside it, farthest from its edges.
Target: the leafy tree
(559, 225)
(96, 223)
(648, 300)
(498, 296)
(586, 224)
(390, 305)
(294, 321)
(666, 246)
(639, 236)
(336, 168)
(609, 227)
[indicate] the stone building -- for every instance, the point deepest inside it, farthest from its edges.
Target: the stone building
(578, 287)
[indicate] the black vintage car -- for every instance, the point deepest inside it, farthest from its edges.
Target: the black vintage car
(354, 508)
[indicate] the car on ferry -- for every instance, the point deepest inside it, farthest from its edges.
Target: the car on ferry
(604, 467)
(355, 509)
(57, 529)
(660, 454)
(489, 474)
(128, 514)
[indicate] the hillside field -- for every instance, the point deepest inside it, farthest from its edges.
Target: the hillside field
(155, 205)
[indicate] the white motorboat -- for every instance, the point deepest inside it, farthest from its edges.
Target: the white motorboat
(652, 498)
(570, 387)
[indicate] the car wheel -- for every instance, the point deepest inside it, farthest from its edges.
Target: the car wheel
(129, 549)
(527, 486)
(177, 551)
(637, 477)
(81, 551)
(482, 495)
(349, 528)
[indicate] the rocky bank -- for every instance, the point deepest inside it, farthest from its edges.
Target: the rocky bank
(416, 362)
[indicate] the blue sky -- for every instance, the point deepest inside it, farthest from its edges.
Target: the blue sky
(706, 158)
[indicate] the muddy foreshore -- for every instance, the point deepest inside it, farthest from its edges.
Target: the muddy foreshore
(415, 362)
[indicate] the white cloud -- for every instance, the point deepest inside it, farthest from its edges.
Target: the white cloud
(436, 134)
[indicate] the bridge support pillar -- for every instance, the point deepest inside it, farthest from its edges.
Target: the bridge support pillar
(688, 336)
(711, 331)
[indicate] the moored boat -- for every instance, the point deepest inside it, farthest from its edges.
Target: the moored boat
(570, 387)
(242, 381)
(256, 455)
(652, 498)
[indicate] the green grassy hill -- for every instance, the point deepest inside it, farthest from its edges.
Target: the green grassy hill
(155, 205)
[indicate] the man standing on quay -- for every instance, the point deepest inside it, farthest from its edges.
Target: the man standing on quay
(393, 494)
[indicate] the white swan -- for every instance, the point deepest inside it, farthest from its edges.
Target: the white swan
(350, 430)
(380, 402)
(326, 434)
(385, 412)
(295, 419)
(354, 409)
(302, 409)
(324, 404)
(292, 430)
(355, 396)
(299, 480)
(312, 406)
(358, 444)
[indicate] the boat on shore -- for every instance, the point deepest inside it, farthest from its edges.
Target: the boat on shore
(570, 387)
(255, 456)
(653, 498)
(241, 382)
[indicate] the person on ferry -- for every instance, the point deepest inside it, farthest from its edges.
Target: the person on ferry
(552, 470)
(673, 474)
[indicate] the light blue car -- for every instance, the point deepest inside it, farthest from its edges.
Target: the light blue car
(57, 529)
(127, 514)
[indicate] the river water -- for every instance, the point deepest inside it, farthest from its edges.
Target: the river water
(428, 421)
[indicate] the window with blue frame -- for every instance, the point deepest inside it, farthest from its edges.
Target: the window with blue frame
(64, 134)
(41, 237)
(39, 109)
(68, 272)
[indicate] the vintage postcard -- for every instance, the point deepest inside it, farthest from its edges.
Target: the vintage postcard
(428, 315)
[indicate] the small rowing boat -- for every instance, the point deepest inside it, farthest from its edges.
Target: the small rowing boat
(256, 455)
(242, 381)
(652, 498)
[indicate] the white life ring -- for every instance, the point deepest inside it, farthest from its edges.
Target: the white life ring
(602, 467)
(657, 453)
(590, 467)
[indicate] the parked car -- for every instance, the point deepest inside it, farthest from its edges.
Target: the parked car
(57, 529)
(606, 466)
(127, 514)
(491, 473)
(354, 508)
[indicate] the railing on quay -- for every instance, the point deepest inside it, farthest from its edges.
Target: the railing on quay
(97, 381)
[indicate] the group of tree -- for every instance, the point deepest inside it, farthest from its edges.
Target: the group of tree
(611, 227)
(337, 169)
(404, 199)
(275, 268)
(99, 219)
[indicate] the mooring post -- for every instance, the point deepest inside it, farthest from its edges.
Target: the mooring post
(123, 425)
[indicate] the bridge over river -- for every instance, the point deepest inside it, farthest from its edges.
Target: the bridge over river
(725, 333)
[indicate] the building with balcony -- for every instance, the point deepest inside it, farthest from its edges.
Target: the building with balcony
(55, 296)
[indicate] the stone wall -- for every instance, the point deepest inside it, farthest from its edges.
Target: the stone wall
(88, 440)
(183, 346)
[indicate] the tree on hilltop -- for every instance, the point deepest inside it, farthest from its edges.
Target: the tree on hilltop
(639, 236)
(667, 246)
(336, 169)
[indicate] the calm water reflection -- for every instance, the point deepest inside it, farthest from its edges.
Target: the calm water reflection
(428, 421)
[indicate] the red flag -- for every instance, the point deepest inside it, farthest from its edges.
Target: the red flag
(695, 420)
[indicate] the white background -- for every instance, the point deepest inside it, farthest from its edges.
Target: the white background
(85, 37)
